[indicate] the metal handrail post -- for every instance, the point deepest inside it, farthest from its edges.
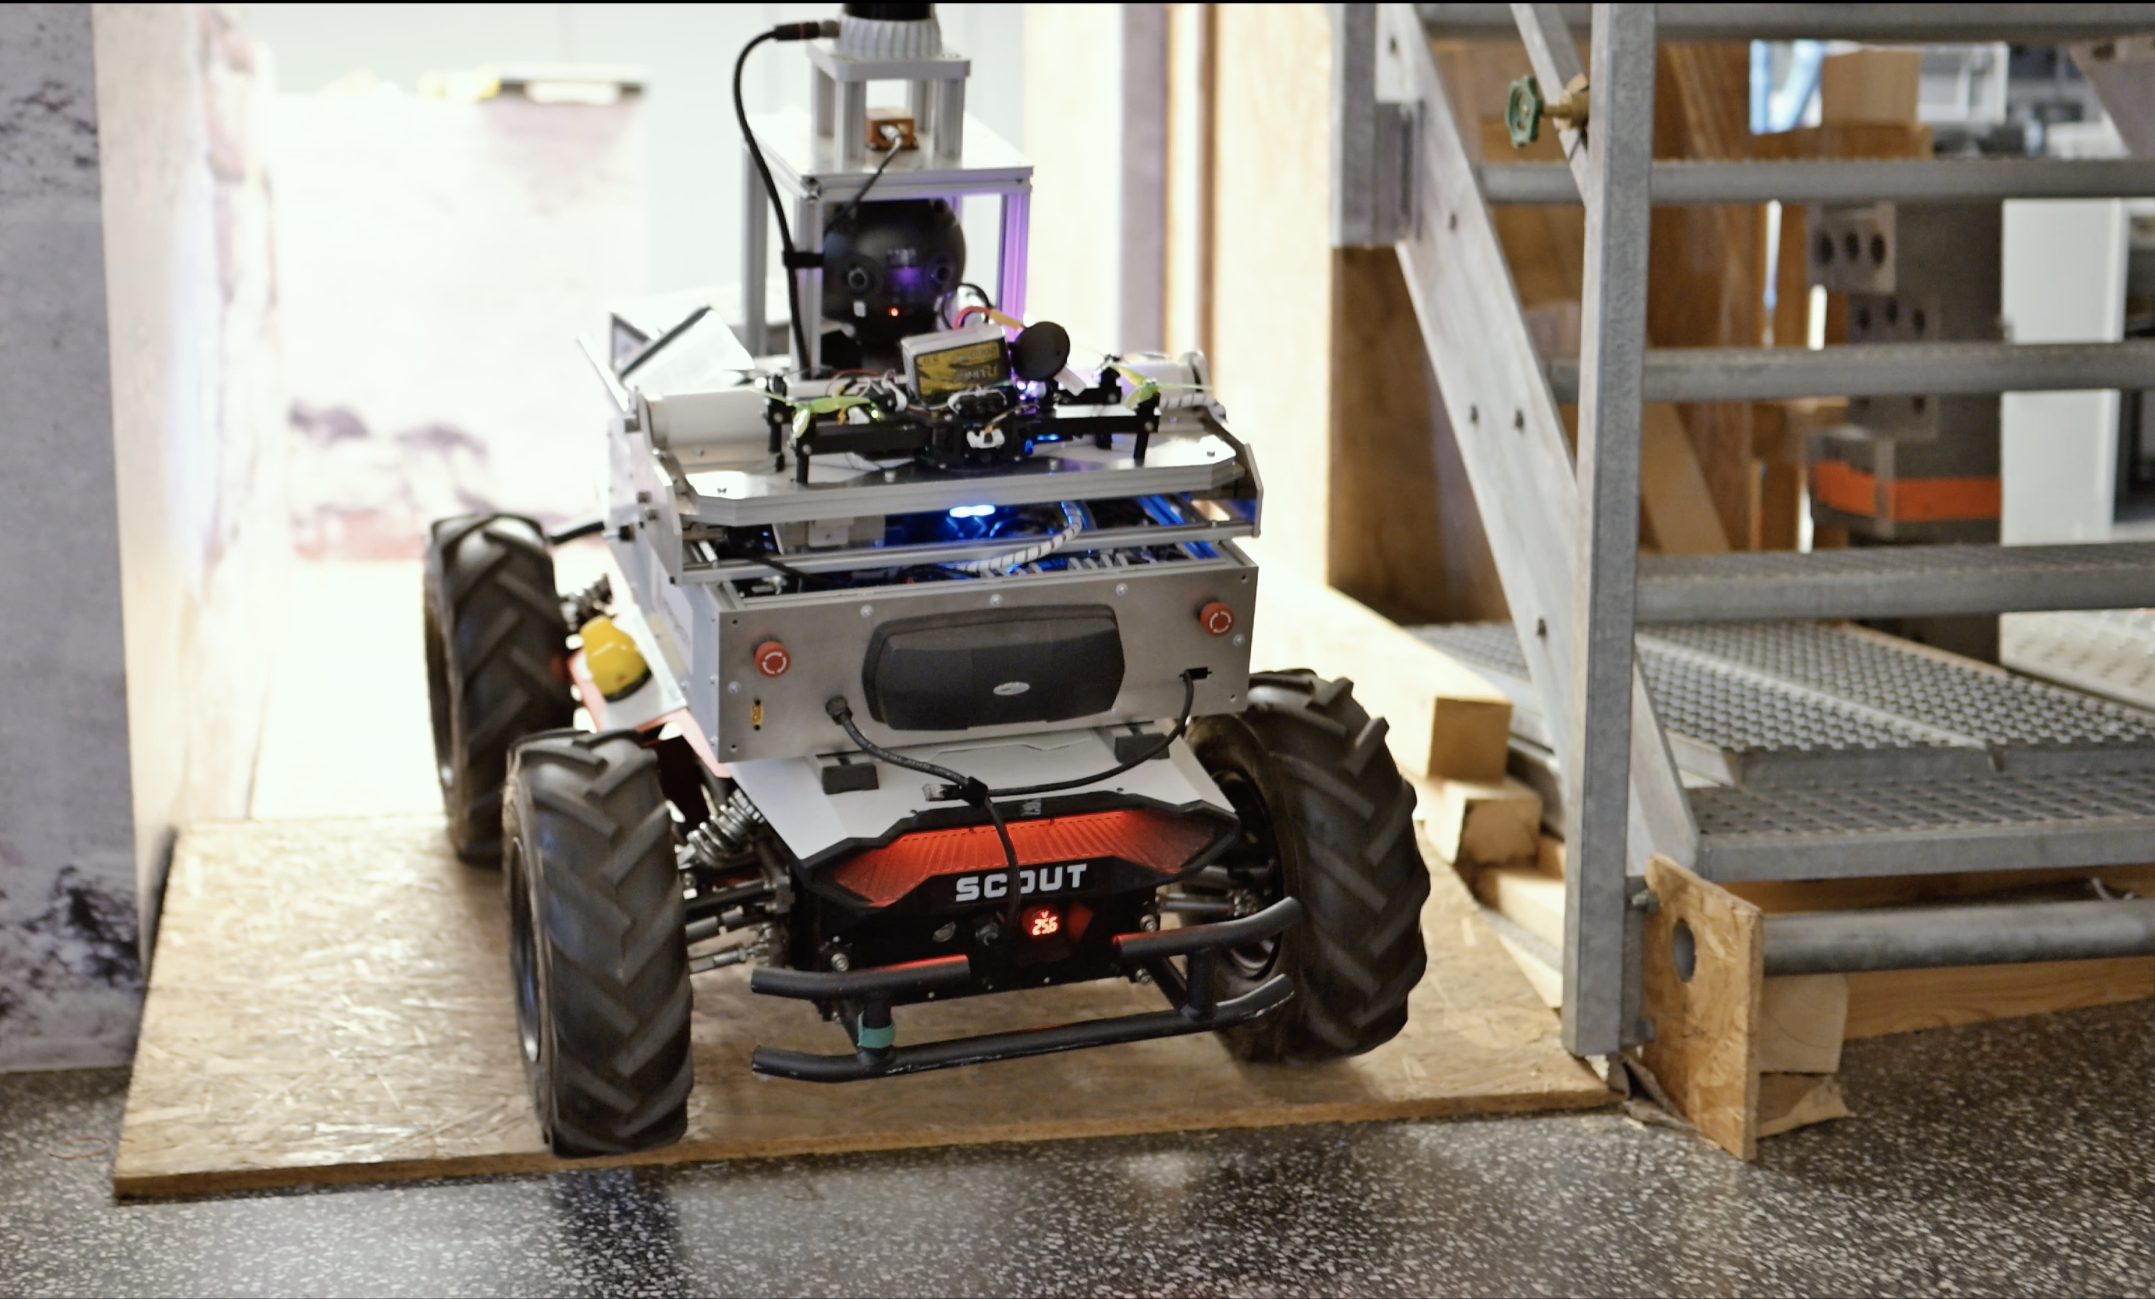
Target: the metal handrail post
(1597, 734)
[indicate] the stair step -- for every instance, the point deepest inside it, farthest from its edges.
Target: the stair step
(1894, 581)
(2026, 24)
(1687, 374)
(1919, 826)
(1848, 180)
(2109, 652)
(1784, 703)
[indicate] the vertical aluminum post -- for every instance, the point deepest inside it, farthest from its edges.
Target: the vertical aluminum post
(920, 99)
(947, 145)
(823, 102)
(1597, 734)
(1143, 288)
(850, 125)
(1010, 260)
(808, 236)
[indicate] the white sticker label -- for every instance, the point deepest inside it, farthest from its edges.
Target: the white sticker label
(1047, 879)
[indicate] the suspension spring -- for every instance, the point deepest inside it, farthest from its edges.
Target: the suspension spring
(723, 838)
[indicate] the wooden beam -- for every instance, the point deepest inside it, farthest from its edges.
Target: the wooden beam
(1527, 898)
(1803, 1019)
(1478, 823)
(1902, 1001)
(1672, 487)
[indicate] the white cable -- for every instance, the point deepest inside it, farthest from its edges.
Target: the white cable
(1039, 550)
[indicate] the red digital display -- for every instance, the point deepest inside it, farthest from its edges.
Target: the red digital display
(1041, 922)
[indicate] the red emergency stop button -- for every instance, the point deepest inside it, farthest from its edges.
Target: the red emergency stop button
(1216, 618)
(772, 659)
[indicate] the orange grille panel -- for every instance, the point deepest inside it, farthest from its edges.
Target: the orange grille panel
(1909, 500)
(1160, 841)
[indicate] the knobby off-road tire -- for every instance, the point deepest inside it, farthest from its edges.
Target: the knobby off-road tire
(1327, 820)
(596, 951)
(497, 663)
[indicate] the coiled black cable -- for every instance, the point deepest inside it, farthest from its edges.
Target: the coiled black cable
(782, 32)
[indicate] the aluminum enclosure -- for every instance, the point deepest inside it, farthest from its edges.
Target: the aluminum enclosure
(663, 523)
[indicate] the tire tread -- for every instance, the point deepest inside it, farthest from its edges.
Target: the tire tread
(1358, 953)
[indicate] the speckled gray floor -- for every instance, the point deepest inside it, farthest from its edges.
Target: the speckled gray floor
(2008, 1158)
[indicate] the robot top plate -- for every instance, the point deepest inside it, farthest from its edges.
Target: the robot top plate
(1189, 460)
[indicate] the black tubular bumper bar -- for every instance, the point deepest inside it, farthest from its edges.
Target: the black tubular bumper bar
(1194, 1010)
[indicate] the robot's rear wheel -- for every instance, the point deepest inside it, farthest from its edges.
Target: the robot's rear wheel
(497, 662)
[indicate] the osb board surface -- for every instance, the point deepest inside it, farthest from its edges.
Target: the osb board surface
(330, 1002)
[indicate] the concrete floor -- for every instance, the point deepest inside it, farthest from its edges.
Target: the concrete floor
(2008, 1158)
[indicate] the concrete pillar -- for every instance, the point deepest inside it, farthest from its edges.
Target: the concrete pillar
(70, 974)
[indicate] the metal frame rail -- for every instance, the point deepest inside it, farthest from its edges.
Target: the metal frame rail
(1564, 534)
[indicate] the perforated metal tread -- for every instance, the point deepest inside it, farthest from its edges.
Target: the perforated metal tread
(1748, 702)
(1860, 754)
(1894, 581)
(2108, 652)
(1736, 725)
(2026, 725)
(1490, 645)
(1911, 826)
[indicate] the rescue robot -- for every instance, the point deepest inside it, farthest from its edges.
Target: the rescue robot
(927, 673)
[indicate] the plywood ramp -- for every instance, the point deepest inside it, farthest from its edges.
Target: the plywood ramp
(330, 1003)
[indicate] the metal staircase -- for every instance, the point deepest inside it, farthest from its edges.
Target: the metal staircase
(1745, 749)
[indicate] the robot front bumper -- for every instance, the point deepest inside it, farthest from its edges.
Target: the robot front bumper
(863, 999)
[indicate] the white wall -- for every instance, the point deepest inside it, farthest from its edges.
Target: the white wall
(197, 412)
(692, 165)
(2064, 283)
(1074, 130)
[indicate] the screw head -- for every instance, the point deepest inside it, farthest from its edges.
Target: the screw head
(841, 962)
(994, 600)
(867, 611)
(1122, 588)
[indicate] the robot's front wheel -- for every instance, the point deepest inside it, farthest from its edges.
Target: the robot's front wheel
(597, 951)
(1326, 819)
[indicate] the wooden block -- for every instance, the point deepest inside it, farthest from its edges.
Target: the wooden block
(1704, 968)
(1446, 721)
(1403, 535)
(1846, 140)
(1787, 1101)
(1902, 1001)
(1802, 1019)
(1871, 85)
(1484, 823)
(1780, 506)
(1527, 898)
(1679, 504)
(1549, 857)
(1705, 290)
(1546, 980)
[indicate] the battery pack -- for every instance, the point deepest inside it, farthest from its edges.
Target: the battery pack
(939, 364)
